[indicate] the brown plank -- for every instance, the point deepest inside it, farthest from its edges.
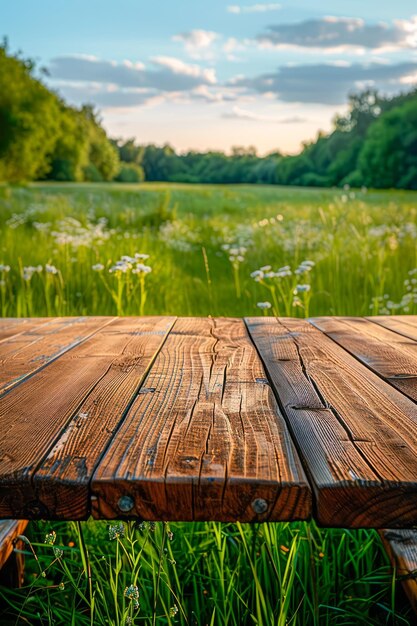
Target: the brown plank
(401, 546)
(11, 326)
(204, 439)
(62, 481)
(34, 414)
(9, 529)
(355, 433)
(388, 354)
(29, 351)
(405, 325)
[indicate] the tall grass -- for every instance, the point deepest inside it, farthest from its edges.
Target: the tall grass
(70, 250)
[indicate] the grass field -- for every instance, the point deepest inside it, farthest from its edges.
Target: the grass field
(70, 250)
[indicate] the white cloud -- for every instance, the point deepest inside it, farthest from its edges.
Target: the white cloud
(328, 83)
(198, 43)
(253, 8)
(329, 34)
(168, 74)
(178, 67)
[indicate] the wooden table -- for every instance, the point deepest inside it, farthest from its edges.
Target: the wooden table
(169, 418)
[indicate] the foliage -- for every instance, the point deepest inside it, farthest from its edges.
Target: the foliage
(204, 244)
(41, 136)
(203, 573)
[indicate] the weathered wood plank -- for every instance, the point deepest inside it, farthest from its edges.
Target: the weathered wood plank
(405, 325)
(356, 434)
(29, 351)
(11, 326)
(388, 354)
(34, 415)
(204, 439)
(401, 546)
(62, 480)
(9, 529)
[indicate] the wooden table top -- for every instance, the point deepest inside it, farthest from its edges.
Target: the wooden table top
(167, 418)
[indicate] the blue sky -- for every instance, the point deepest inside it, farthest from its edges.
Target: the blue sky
(211, 75)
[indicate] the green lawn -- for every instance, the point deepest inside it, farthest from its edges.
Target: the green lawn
(59, 246)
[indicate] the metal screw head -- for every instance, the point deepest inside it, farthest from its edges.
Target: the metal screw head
(125, 504)
(259, 506)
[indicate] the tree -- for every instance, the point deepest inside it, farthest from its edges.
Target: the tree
(389, 155)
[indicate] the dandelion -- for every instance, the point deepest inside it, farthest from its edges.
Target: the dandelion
(116, 531)
(132, 594)
(98, 267)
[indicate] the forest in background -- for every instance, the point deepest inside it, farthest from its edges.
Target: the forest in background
(44, 138)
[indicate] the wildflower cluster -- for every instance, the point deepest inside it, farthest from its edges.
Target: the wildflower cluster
(50, 538)
(236, 253)
(116, 531)
(128, 264)
(179, 236)
(384, 305)
(71, 232)
(29, 270)
(283, 284)
(132, 594)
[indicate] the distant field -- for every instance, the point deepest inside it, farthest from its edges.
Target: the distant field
(363, 245)
(70, 250)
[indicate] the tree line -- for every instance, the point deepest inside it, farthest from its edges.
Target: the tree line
(44, 138)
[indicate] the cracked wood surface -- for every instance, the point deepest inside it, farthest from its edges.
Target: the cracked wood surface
(356, 434)
(204, 439)
(390, 355)
(39, 420)
(210, 419)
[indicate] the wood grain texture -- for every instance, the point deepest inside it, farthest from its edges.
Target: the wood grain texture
(27, 352)
(405, 325)
(62, 480)
(34, 415)
(401, 546)
(204, 439)
(356, 434)
(9, 529)
(11, 326)
(388, 354)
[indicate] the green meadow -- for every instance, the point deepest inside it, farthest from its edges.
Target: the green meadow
(196, 250)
